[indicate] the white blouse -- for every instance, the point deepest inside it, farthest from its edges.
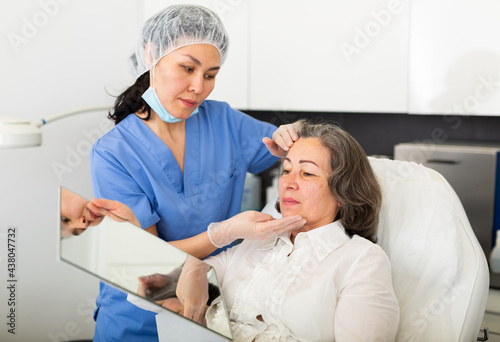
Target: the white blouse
(324, 287)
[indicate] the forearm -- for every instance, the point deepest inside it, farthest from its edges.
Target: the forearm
(198, 246)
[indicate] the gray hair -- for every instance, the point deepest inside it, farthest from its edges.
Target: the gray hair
(352, 181)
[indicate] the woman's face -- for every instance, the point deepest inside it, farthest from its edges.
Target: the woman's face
(303, 186)
(185, 77)
(75, 214)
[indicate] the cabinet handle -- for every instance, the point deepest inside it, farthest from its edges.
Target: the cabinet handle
(443, 161)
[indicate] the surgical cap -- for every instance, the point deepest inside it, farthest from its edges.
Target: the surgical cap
(174, 27)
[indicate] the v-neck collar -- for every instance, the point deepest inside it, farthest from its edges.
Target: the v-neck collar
(192, 156)
(187, 182)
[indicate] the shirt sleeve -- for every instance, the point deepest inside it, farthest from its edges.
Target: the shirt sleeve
(248, 133)
(367, 309)
(111, 180)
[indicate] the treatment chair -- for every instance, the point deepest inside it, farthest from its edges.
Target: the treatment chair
(440, 273)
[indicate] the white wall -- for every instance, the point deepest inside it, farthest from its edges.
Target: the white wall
(455, 57)
(56, 56)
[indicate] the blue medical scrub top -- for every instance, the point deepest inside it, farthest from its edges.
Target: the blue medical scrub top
(132, 165)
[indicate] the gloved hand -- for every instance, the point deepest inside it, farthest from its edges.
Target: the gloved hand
(192, 289)
(283, 138)
(159, 287)
(252, 225)
(113, 209)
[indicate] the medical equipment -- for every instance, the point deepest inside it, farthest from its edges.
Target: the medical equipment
(15, 133)
(174, 27)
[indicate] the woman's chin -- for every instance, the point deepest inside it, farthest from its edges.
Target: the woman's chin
(285, 212)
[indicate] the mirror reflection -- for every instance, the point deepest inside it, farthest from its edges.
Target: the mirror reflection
(136, 261)
(76, 214)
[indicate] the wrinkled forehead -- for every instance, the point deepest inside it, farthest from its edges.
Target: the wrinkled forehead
(306, 150)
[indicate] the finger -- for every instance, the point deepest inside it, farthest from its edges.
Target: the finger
(97, 210)
(268, 142)
(106, 207)
(274, 149)
(262, 217)
(293, 133)
(274, 225)
(278, 140)
(151, 279)
(102, 207)
(146, 279)
(292, 226)
(103, 203)
(287, 137)
(141, 291)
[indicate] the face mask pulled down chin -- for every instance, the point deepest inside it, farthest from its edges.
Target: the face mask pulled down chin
(152, 100)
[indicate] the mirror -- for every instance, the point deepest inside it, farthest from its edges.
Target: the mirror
(119, 253)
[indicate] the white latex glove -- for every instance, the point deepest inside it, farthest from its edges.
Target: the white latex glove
(192, 289)
(283, 139)
(252, 225)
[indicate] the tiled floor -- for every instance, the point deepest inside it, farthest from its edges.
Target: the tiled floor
(492, 316)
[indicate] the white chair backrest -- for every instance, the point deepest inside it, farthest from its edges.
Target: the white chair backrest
(439, 270)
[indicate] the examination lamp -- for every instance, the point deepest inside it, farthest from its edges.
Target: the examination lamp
(16, 133)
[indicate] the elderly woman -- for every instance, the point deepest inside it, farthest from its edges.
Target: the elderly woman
(327, 281)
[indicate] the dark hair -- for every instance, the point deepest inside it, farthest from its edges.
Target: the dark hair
(130, 101)
(352, 180)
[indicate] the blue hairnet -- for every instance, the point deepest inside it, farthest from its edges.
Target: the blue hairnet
(174, 27)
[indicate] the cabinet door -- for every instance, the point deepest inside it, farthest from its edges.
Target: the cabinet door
(329, 55)
(231, 83)
(455, 57)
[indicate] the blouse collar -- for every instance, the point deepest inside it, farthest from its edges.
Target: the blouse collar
(323, 240)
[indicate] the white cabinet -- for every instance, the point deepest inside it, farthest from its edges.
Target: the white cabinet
(329, 55)
(313, 56)
(455, 57)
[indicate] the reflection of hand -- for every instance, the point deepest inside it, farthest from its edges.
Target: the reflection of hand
(283, 139)
(252, 225)
(113, 209)
(157, 286)
(175, 305)
(192, 289)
